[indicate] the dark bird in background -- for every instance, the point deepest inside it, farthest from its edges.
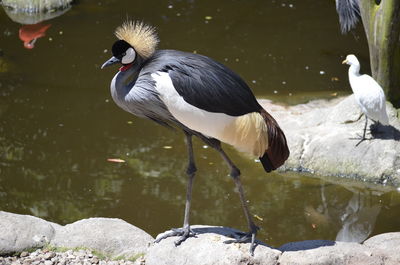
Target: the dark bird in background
(200, 96)
(349, 14)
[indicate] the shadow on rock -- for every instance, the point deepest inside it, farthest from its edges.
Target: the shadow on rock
(306, 245)
(219, 230)
(385, 132)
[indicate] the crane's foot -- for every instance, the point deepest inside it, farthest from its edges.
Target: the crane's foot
(246, 238)
(183, 233)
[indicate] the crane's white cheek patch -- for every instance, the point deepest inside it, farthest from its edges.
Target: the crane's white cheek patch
(129, 56)
(208, 123)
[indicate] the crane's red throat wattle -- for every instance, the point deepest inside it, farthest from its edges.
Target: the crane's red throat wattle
(125, 67)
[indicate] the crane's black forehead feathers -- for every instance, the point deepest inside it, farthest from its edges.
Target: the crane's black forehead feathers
(119, 47)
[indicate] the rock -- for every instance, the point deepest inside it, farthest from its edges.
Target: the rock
(113, 237)
(35, 11)
(208, 249)
(21, 232)
(387, 245)
(36, 6)
(337, 254)
(321, 138)
(49, 255)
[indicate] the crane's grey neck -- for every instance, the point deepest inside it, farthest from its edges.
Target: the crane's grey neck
(123, 82)
(354, 69)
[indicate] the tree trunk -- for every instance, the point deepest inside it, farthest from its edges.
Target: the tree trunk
(381, 21)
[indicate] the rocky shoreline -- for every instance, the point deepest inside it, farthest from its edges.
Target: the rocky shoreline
(49, 257)
(27, 240)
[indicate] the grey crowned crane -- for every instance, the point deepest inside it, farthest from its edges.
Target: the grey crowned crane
(200, 96)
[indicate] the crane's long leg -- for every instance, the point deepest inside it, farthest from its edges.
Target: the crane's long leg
(235, 174)
(185, 231)
(365, 129)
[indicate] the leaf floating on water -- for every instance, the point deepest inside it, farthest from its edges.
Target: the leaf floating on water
(208, 17)
(314, 226)
(334, 94)
(116, 160)
(258, 218)
(167, 147)
(129, 122)
(334, 79)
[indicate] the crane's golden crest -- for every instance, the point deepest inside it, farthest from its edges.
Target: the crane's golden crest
(142, 37)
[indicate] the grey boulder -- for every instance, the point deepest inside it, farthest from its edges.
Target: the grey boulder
(112, 237)
(386, 245)
(208, 248)
(334, 253)
(21, 232)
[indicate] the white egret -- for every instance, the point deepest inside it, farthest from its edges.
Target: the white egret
(368, 94)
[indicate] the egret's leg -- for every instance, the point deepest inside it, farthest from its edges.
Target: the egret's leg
(185, 231)
(235, 174)
(365, 129)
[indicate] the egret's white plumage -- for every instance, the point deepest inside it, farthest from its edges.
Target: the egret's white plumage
(367, 92)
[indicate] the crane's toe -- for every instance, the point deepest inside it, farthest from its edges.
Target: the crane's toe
(183, 233)
(249, 237)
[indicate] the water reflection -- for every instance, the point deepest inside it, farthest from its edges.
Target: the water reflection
(30, 33)
(353, 218)
(358, 219)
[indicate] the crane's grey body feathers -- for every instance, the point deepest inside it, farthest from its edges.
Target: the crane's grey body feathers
(135, 96)
(207, 84)
(349, 14)
(198, 95)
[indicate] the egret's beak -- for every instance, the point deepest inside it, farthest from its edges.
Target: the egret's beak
(111, 61)
(345, 62)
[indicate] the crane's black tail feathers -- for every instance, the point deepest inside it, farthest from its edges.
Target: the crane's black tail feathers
(349, 14)
(278, 150)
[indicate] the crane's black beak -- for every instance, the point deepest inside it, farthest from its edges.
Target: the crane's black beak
(111, 61)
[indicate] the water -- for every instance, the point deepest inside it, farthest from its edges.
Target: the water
(59, 125)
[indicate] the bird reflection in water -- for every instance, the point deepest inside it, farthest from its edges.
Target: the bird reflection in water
(30, 33)
(354, 219)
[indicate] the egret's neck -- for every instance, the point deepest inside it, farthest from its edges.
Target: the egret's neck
(354, 70)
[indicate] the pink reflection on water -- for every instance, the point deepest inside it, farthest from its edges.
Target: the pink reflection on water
(30, 33)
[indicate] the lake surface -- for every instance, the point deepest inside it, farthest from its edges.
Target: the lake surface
(59, 125)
